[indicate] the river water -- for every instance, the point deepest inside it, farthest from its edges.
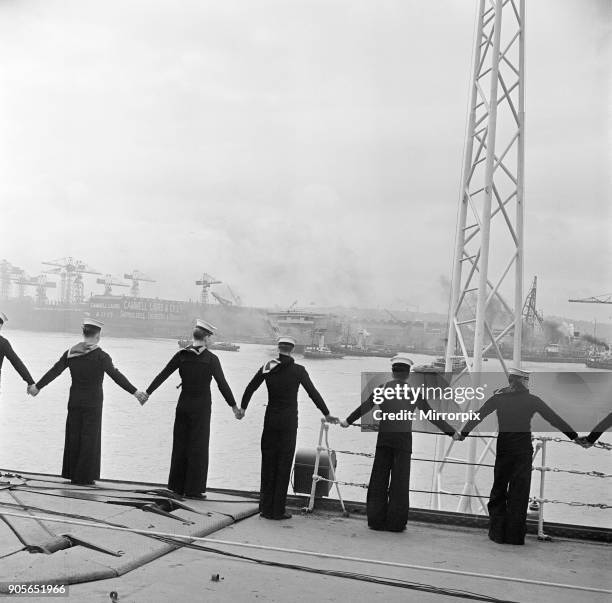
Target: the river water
(137, 441)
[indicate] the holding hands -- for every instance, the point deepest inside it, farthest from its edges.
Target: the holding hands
(32, 390)
(238, 412)
(458, 436)
(583, 441)
(142, 397)
(344, 423)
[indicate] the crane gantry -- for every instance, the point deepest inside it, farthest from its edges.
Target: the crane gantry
(606, 298)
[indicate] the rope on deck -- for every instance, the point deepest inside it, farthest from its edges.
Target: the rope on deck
(183, 537)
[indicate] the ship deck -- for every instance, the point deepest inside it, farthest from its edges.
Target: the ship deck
(434, 562)
(187, 575)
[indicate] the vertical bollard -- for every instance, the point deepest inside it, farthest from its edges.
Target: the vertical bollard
(315, 473)
(541, 535)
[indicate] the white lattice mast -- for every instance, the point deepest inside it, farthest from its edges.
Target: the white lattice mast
(488, 260)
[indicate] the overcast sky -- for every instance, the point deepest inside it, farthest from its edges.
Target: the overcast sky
(297, 150)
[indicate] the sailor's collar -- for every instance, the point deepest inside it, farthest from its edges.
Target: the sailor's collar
(81, 348)
(276, 362)
(510, 390)
(271, 364)
(195, 349)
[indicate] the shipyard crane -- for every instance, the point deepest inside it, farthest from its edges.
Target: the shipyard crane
(40, 283)
(606, 298)
(8, 272)
(71, 273)
(222, 300)
(21, 279)
(237, 298)
(206, 281)
(137, 277)
(394, 318)
(531, 317)
(109, 282)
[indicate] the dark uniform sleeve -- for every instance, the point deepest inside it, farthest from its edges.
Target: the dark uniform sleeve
(222, 384)
(598, 430)
(164, 374)
(18, 365)
(442, 425)
(554, 419)
(116, 375)
(485, 410)
(55, 371)
(251, 388)
(361, 410)
(312, 391)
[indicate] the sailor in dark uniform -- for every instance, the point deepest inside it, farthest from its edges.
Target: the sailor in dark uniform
(6, 351)
(603, 425)
(388, 499)
(509, 497)
(197, 366)
(87, 363)
(283, 378)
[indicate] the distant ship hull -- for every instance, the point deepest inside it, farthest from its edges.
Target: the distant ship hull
(366, 352)
(320, 353)
(577, 357)
(599, 363)
(125, 316)
(305, 327)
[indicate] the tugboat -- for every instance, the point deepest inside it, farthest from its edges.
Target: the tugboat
(320, 351)
(457, 366)
(369, 352)
(600, 361)
(361, 347)
(317, 351)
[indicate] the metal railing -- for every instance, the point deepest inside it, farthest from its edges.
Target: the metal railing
(537, 501)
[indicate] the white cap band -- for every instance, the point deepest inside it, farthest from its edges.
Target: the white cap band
(401, 359)
(92, 322)
(206, 326)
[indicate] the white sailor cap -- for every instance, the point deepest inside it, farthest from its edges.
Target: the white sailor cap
(205, 326)
(3, 317)
(519, 372)
(92, 322)
(401, 359)
(286, 339)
